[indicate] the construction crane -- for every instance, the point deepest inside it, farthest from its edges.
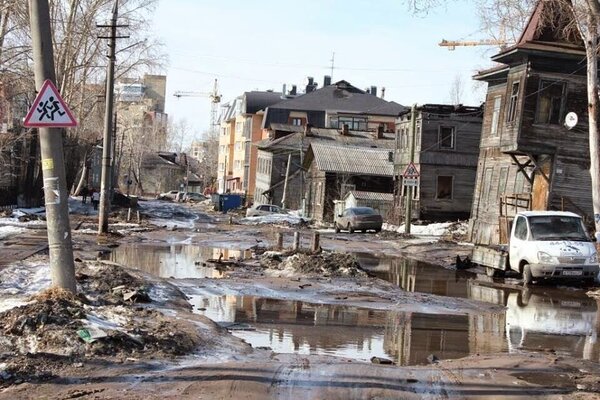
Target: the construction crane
(215, 99)
(452, 44)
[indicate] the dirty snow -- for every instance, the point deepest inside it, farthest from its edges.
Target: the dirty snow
(21, 281)
(273, 219)
(434, 229)
(9, 231)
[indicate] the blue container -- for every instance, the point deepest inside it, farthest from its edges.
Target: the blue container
(231, 201)
(226, 202)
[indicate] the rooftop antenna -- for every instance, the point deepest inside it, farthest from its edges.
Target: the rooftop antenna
(332, 64)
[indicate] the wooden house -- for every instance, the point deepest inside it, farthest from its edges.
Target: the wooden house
(528, 159)
(292, 142)
(446, 145)
(334, 170)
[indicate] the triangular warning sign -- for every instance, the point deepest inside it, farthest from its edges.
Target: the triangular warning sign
(411, 171)
(49, 110)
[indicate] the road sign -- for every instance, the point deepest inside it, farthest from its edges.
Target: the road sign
(49, 110)
(410, 182)
(411, 171)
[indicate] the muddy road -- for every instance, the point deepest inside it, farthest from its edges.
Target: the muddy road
(370, 316)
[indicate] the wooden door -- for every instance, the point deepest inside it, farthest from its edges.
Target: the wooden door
(541, 184)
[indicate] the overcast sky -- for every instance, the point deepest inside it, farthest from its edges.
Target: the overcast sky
(260, 45)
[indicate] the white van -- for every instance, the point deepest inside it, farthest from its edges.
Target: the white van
(552, 244)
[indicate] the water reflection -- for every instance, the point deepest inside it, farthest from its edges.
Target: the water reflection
(175, 261)
(358, 333)
(541, 318)
(565, 320)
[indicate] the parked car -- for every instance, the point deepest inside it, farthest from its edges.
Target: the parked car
(170, 195)
(193, 196)
(358, 219)
(264, 209)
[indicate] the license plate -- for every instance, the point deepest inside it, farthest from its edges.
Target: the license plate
(572, 273)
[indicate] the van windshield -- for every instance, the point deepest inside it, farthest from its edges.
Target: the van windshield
(557, 228)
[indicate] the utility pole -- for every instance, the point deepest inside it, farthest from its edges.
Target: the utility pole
(409, 189)
(62, 266)
(105, 186)
(285, 184)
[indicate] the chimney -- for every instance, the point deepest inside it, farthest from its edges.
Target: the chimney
(284, 91)
(374, 90)
(310, 84)
(326, 80)
(383, 92)
(293, 91)
(345, 129)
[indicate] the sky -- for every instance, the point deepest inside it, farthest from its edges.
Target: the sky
(261, 45)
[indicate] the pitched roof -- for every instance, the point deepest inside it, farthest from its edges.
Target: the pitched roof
(256, 101)
(352, 160)
(325, 135)
(371, 196)
(343, 97)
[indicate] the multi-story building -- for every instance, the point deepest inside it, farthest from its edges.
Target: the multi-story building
(335, 105)
(241, 126)
(529, 159)
(445, 148)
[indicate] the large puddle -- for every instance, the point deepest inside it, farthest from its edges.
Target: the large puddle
(546, 318)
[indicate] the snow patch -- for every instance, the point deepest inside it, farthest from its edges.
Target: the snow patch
(274, 219)
(8, 231)
(434, 229)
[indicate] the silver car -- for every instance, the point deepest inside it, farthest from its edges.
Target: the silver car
(358, 219)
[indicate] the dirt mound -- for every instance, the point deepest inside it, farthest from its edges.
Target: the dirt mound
(16, 369)
(57, 322)
(322, 264)
(111, 284)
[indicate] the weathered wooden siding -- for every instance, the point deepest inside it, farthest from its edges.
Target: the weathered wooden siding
(493, 165)
(432, 161)
(566, 151)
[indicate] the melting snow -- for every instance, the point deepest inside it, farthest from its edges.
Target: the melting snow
(273, 219)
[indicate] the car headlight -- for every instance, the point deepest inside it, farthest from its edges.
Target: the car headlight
(546, 258)
(593, 258)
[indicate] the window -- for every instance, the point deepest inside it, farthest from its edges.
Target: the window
(519, 182)
(502, 180)
(487, 181)
(444, 187)
(297, 121)
(521, 228)
(238, 145)
(238, 164)
(239, 127)
(550, 102)
(446, 137)
(512, 106)
(354, 123)
(496, 115)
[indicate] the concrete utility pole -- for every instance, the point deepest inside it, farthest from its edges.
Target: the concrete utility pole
(105, 185)
(62, 266)
(285, 184)
(409, 189)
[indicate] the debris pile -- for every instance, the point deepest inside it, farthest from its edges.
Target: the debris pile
(324, 264)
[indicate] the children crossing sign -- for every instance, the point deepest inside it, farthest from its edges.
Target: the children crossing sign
(49, 110)
(411, 171)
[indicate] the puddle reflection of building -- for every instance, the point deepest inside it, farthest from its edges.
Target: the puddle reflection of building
(415, 276)
(312, 326)
(174, 261)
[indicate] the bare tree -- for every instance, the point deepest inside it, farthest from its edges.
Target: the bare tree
(457, 90)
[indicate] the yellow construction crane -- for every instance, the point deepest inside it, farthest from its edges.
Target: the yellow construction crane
(215, 99)
(452, 44)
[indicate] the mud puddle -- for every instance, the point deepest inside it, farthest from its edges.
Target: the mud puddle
(179, 261)
(350, 332)
(551, 319)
